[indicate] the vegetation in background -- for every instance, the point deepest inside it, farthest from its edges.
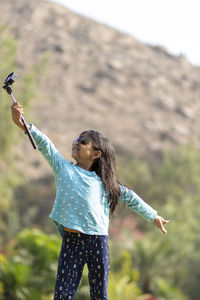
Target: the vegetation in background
(168, 264)
(10, 136)
(28, 272)
(142, 261)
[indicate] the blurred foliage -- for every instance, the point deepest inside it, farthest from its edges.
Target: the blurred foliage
(8, 63)
(147, 263)
(169, 265)
(177, 174)
(123, 279)
(29, 271)
(10, 135)
(39, 201)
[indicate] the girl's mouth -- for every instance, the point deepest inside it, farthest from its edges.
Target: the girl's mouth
(75, 149)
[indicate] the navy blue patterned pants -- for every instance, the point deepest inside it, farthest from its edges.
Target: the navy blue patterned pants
(78, 249)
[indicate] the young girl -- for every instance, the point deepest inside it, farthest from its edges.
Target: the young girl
(87, 193)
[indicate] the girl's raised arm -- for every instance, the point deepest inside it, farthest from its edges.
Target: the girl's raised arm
(45, 145)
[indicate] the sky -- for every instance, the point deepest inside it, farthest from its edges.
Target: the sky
(173, 24)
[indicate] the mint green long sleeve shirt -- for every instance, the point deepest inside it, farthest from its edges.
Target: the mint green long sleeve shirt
(81, 200)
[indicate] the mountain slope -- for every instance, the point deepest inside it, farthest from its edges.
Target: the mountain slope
(141, 97)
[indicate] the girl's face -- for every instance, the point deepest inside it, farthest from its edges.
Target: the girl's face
(83, 150)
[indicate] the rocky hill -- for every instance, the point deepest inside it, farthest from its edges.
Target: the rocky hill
(141, 97)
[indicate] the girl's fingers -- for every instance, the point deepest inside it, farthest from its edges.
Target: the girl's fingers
(159, 222)
(162, 228)
(17, 107)
(16, 104)
(165, 221)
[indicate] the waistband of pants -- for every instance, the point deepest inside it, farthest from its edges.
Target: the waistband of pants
(82, 235)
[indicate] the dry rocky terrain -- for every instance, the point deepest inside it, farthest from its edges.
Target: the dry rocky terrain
(141, 97)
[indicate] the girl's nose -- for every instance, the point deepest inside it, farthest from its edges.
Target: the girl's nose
(75, 142)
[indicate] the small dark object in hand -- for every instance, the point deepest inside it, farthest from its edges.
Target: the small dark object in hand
(7, 86)
(9, 81)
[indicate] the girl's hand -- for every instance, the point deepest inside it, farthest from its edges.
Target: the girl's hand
(159, 221)
(17, 111)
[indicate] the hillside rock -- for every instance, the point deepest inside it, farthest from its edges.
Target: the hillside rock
(143, 98)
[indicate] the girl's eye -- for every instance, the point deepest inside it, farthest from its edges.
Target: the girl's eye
(84, 140)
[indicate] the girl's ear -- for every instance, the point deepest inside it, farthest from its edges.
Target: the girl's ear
(97, 155)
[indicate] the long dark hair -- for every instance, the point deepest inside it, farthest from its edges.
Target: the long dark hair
(104, 166)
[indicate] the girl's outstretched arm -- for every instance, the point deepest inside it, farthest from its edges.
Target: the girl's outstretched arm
(134, 202)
